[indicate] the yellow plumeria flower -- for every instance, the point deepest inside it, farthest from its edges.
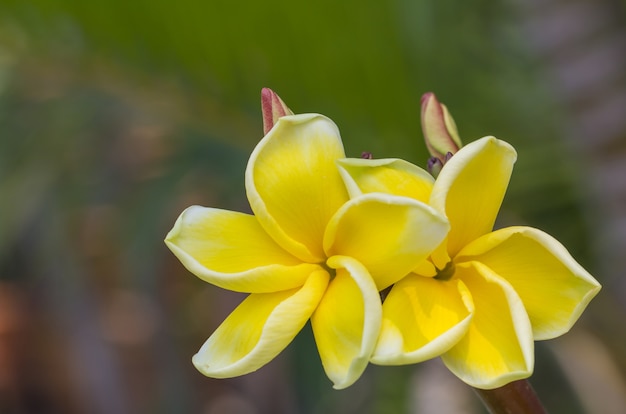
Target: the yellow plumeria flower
(483, 296)
(309, 251)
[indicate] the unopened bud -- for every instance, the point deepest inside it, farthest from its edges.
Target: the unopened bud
(273, 108)
(434, 166)
(439, 129)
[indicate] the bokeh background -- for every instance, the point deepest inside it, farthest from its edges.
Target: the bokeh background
(116, 115)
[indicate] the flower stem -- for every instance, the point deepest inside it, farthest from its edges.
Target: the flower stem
(517, 397)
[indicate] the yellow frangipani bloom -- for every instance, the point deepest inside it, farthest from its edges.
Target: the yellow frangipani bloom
(483, 296)
(308, 252)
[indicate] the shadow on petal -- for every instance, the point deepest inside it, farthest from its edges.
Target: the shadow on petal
(422, 319)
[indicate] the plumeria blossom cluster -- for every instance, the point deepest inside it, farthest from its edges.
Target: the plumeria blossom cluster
(329, 233)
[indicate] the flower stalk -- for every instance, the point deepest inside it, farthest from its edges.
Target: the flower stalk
(517, 397)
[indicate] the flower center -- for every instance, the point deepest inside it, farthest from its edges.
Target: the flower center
(446, 273)
(332, 272)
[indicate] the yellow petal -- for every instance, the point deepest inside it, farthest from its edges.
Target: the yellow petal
(440, 256)
(391, 176)
(555, 289)
(426, 268)
(293, 184)
(347, 322)
(470, 189)
(259, 329)
(422, 319)
(390, 235)
(498, 347)
(232, 251)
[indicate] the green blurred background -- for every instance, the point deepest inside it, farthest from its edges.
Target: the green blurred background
(115, 116)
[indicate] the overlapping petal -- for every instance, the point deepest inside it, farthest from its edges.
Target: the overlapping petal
(293, 184)
(555, 289)
(471, 187)
(422, 318)
(259, 329)
(391, 176)
(232, 251)
(390, 235)
(347, 322)
(498, 346)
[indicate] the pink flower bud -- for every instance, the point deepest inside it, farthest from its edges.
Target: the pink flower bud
(273, 108)
(439, 129)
